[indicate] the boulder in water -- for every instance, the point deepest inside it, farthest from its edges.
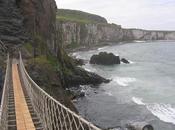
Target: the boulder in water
(125, 61)
(104, 58)
(139, 126)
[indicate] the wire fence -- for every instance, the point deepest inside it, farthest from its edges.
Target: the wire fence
(5, 98)
(53, 114)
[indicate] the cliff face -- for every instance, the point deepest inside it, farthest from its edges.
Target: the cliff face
(139, 34)
(39, 20)
(12, 31)
(77, 31)
(93, 34)
(89, 34)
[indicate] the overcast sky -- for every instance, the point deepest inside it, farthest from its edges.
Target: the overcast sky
(146, 14)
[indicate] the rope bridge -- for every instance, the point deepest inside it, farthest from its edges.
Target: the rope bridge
(51, 114)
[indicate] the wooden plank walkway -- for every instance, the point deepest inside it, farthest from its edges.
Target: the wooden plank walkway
(23, 117)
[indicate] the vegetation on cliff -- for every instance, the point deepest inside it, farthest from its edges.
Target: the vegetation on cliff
(79, 16)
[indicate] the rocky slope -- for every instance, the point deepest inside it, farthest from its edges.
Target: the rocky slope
(77, 33)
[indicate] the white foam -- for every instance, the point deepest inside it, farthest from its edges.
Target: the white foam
(131, 62)
(124, 81)
(101, 48)
(87, 69)
(137, 41)
(164, 112)
(109, 93)
(138, 101)
(76, 55)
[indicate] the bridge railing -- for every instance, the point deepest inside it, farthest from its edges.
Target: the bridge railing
(5, 98)
(53, 114)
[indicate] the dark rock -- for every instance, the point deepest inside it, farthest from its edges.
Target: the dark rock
(82, 77)
(75, 92)
(104, 58)
(79, 62)
(82, 94)
(78, 94)
(125, 61)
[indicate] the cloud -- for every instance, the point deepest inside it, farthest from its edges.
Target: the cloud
(146, 14)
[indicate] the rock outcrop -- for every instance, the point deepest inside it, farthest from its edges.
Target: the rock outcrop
(104, 58)
(125, 61)
(82, 77)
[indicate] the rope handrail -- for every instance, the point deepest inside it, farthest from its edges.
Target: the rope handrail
(53, 114)
(4, 100)
(2, 46)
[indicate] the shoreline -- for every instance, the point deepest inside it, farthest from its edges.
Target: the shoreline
(103, 44)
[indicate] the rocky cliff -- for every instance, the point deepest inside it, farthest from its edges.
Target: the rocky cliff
(76, 33)
(12, 31)
(139, 34)
(39, 21)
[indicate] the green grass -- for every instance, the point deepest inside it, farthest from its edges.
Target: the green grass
(29, 47)
(66, 19)
(79, 16)
(50, 61)
(72, 46)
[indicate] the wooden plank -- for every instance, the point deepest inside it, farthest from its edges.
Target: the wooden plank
(23, 117)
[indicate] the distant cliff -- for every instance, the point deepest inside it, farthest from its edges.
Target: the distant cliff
(77, 33)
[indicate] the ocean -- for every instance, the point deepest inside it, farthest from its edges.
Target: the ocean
(143, 91)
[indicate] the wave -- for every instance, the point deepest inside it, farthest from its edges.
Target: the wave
(138, 101)
(137, 41)
(131, 62)
(76, 55)
(87, 69)
(101, 48)
(124, 81)
(108, 93)
(164, 112)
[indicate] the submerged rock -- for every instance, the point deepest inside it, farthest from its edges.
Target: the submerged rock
(125, 61)
(104, 58)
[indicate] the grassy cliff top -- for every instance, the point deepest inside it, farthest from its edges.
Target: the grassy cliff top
(79, 16)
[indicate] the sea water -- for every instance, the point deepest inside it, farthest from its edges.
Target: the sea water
(141, 91)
